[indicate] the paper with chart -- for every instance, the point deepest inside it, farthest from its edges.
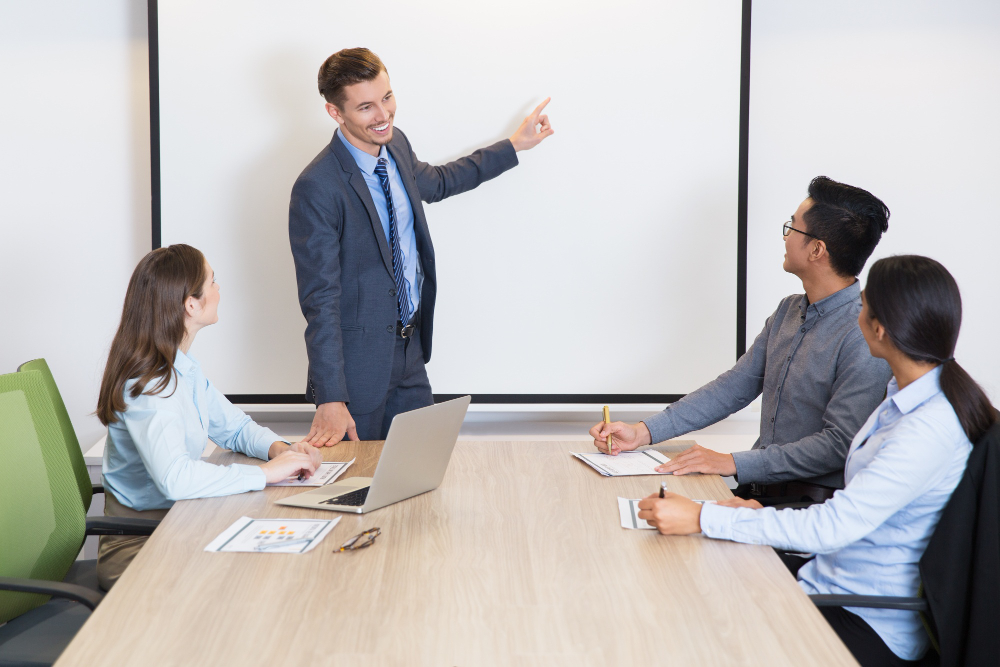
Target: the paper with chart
(272, 536)
(626, 463)
(327, 472)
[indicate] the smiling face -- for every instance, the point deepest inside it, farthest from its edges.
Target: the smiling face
(366, 115)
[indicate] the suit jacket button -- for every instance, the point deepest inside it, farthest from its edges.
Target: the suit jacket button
(389, 329)
(392, 292)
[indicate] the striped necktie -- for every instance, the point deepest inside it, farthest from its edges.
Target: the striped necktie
(402, 285)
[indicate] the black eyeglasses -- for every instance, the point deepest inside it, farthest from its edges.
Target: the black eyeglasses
(361, 540)
(787, 229)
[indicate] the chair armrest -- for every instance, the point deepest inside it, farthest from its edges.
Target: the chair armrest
(84, 596)
(116, 525)
(97, 488)
(873, 601)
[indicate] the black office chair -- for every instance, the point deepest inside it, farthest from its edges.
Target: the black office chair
(959, 571)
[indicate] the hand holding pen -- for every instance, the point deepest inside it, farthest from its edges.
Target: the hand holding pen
(617, 437)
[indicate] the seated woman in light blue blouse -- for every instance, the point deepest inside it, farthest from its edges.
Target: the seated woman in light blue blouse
(160, 409)
(901, 468)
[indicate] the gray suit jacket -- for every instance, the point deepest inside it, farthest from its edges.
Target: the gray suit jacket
(343, 264)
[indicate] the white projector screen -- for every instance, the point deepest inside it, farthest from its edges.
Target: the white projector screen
(604, 264)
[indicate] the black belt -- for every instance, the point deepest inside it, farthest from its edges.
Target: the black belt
(408, 330)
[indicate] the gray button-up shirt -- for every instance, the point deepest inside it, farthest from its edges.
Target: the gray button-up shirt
(820, 384)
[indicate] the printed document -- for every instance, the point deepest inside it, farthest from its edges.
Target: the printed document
(273, 536)
(628, 510)
(626, 463)
(327, 472)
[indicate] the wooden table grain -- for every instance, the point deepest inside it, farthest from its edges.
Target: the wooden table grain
(517, 559)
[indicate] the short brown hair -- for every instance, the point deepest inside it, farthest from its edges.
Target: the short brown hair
(345, 68)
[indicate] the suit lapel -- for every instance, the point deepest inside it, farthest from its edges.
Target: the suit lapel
(420, 228)
(357, 181)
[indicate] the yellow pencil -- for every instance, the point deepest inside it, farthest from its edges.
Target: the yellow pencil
(607, 420)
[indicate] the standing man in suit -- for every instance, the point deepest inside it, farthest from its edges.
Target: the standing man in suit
(364, 261)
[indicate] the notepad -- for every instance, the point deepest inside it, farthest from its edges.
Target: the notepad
(327, 472)
(626, 463)
(628, 512)
(273, 536)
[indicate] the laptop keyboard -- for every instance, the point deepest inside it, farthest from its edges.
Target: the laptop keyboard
(352, 499)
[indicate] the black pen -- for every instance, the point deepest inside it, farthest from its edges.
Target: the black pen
(663, 488)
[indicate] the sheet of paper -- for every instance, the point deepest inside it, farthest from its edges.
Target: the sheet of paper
(272, 536)
(626, 463)
(328, 472)
(628, 510)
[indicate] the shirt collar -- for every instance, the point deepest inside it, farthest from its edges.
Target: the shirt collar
(915, 393)
(184, 364)
(365, 162)
(839, 298)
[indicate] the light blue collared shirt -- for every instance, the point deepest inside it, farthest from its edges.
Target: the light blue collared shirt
(152, 456)
(902, 468)
(401, 207)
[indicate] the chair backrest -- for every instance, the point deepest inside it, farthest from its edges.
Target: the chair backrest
(959, 568)
(66, 426)
(42, 521)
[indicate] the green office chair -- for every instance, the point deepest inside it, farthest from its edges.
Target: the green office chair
(83, 572)
(42, 525)
(87, 489)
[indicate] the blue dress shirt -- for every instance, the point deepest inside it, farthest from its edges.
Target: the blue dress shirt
(401, 205)
(901, 469)
(152, 456)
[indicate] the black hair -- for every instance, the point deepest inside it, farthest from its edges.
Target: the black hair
(849, 220)
(918, 303)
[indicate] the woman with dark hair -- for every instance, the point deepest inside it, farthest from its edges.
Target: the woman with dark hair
(901, 469)
(160, 409)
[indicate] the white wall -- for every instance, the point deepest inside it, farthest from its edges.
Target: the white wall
(899, 97)
(74, 177)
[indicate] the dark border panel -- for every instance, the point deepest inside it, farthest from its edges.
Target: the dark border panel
(300, 399)
(153, 28)
(512, 399)
(744, 178)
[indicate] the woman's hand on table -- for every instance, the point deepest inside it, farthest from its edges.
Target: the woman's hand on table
(740, 502)
(289, 464)
(305, 448)
(672, 514)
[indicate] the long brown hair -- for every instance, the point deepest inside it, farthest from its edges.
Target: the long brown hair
(152, 326)
(918, 303)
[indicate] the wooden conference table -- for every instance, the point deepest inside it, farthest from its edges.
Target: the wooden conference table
(518, 558)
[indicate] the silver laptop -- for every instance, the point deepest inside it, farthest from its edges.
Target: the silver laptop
(413, 461)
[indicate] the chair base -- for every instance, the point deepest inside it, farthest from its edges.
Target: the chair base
(38, 637)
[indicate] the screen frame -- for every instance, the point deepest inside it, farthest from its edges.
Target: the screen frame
(504, 399)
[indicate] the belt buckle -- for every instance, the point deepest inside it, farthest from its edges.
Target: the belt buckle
(757, 489)
(407, 331)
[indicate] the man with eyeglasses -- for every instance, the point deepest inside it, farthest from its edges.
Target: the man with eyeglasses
(818, 379)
